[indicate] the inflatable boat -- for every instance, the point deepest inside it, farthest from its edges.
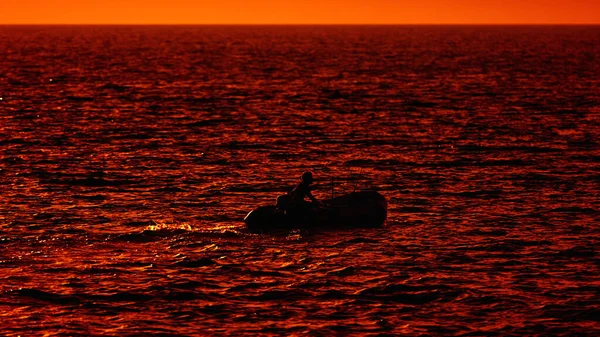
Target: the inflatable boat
(356, 209)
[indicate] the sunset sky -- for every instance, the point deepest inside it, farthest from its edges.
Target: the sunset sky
(299, 11)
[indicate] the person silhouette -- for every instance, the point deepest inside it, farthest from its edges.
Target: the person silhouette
(293, 203)
(303, 190)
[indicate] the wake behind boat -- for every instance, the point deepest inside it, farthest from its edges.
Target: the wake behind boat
(356, 209)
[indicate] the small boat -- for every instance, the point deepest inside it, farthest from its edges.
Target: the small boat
(356, 209)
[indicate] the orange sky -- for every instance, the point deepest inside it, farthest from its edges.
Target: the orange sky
(299, 11)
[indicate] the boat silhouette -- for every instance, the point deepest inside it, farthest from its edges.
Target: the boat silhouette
(353, 210)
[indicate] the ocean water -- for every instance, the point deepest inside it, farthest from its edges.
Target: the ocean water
(130, 155)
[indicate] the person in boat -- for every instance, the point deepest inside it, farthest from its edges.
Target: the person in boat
(303, 190)
(295, 199)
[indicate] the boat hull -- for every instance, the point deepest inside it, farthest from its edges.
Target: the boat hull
(354, 210)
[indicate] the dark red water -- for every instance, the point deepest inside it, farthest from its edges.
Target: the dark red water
(130, 155)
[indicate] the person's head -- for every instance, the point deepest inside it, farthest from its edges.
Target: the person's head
(307, 177)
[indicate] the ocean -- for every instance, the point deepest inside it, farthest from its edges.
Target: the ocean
(129, 156)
